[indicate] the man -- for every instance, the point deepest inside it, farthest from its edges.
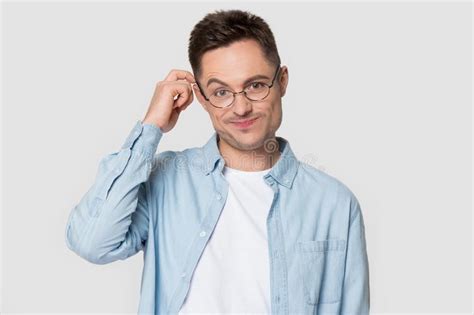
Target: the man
(238, 225)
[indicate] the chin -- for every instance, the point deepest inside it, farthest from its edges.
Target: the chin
(245, 140)
(248, 141)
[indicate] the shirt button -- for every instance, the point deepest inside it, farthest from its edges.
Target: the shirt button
(287, 181)
(218, 196)
(202, 234)
(183, 275)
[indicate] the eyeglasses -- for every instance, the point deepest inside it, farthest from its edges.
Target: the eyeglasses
(255, 91)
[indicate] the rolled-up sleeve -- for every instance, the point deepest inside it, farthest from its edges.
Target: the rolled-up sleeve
(110, 222)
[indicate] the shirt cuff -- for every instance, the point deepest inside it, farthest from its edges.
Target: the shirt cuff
(143, 138)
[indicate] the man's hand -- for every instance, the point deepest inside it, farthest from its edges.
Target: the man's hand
(171, 97)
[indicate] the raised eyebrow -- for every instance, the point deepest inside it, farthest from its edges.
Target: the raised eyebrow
(252, 78)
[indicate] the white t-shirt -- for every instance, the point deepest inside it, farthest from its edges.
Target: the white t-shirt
(233, 273)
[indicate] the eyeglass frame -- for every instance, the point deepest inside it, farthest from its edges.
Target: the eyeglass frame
(243, 91)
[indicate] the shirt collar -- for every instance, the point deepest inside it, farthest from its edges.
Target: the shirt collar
(283, 171)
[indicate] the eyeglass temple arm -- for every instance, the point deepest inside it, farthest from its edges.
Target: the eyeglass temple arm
(202, 92)
(276, 73)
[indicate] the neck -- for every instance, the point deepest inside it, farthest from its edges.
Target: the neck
(252, 160)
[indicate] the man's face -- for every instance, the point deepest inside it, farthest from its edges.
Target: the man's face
(233, 65)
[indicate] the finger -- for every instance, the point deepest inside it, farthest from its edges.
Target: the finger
(177, 89)
(183, 98)
(189, 95)
(176, 74)
(189, 102)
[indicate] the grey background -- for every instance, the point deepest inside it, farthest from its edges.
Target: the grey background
(379, 96)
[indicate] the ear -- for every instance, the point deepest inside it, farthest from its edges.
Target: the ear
(200, 97)
(283, 80)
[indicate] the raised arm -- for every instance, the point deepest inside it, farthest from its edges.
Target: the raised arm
(111, 220)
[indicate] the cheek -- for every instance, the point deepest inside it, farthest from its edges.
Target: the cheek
(275, 115)
(272, 110)
(217, 118)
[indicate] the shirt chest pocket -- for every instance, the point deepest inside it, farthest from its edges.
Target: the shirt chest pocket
(321, 265)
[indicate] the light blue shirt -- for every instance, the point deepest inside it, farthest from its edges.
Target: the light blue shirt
(167, 204)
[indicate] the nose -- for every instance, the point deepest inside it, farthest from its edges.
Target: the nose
(242, 105)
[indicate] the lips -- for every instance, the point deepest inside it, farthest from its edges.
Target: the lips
(244, 123)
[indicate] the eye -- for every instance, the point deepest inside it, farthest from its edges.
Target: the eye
(256, 85)
(221, 93)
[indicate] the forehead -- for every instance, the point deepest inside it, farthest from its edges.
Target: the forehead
(235, 63)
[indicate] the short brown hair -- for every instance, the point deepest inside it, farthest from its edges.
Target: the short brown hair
(224, 27)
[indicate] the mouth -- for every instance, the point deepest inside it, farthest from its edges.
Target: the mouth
(243, 124)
